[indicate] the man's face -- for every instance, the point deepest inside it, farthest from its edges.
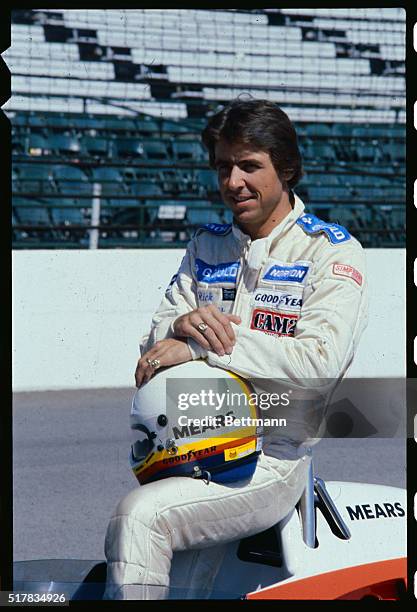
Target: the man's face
(248, 182)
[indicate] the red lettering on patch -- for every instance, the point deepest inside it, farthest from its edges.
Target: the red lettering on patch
(273, 322)
(344, 270)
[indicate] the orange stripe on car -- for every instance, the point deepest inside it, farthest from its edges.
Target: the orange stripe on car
(370, 579)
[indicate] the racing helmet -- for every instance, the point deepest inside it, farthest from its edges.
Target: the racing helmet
(217, 440)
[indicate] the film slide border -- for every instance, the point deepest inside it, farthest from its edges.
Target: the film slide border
(411, 287)
(411, 280)
(6, 479)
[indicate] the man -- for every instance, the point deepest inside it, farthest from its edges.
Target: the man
(278, 295)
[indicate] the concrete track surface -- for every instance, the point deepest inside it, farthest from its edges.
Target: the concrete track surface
(70, 465)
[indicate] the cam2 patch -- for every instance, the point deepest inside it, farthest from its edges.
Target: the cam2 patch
(272, 322)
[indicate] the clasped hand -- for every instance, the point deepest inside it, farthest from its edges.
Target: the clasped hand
(164, 353)
(218, 336)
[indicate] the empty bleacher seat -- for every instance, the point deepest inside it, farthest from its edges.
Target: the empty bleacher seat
(31, 211)
(342, 129)
(360, 179)
(188, 150)
(393, 193)
(318, 129)
(323, 179)
(317, 151)
(146, 173)
(67, 212)
(129, 147)
(134, 216)
(146, 188)
(116, 124)
(122, 203)
(317, 193)
(89, 122)
(351, 218)
(206, 181)
(69, 173)
(35, 122)
(33, 177)
(200, 212)
(366, 153)
(15, 176)
(38, 145)
(370, 131)
(62, 144)
(370, 192)
(147, 127)
(155, 149)
(60, 122)
(398, 217)
(393, 151)
(331, 193)
(110, 179)
(72, 180)
(173, 127)
(95, 146)
(19, 120)
(19, 143)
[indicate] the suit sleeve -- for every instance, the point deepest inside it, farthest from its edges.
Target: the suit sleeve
(179, 298)
(332, 319)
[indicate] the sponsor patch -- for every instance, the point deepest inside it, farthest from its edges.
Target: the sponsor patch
(206, 296)
(275, 323)
(216, 273)
(213, 295)
(231, 454)
(276, 299)
(228, 295)
(280, 273)
(219, 229)
(313, 225)
(191, 455)
(344, 270)
(374, 511)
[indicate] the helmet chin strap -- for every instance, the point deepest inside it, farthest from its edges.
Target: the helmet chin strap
(203, 474)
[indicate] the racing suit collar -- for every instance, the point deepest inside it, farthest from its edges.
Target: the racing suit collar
(285, 225)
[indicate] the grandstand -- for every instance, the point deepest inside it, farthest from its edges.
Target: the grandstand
(107, 108)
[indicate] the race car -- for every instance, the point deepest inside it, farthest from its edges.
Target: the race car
(343, 540)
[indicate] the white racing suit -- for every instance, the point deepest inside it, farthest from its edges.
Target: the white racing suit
(301, 294)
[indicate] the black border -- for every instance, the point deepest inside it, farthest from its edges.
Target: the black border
(6, 492)
(411, 323)
(6, 517)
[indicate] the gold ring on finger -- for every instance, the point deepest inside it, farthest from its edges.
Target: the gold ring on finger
(202, 327)
(154, 363)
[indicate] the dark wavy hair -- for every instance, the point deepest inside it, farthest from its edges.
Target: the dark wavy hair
(262, 125)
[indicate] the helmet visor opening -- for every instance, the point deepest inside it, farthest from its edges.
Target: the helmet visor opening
(142, 443)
